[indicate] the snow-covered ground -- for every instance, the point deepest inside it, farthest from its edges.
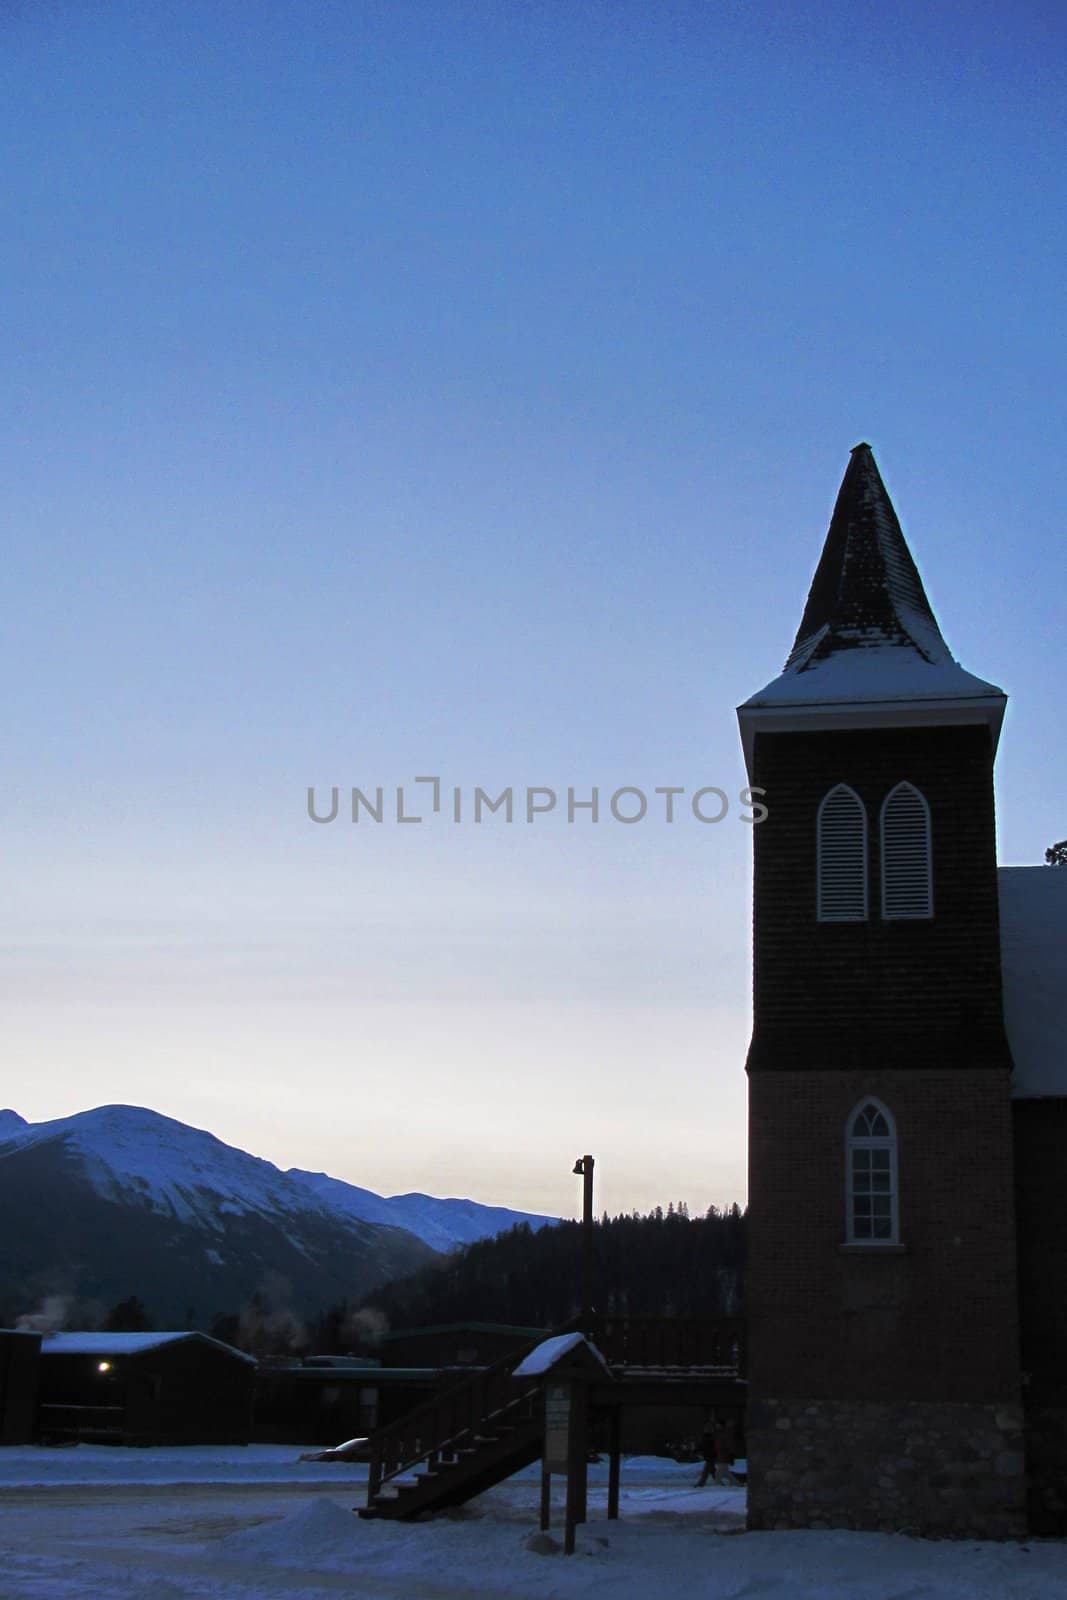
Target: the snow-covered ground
(230, 1524)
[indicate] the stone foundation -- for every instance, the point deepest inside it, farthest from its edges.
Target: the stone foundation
(920, 1467)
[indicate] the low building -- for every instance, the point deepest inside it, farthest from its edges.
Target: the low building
(456, 1344)
(19, 1358)
(145, 1388)
(327, 1399)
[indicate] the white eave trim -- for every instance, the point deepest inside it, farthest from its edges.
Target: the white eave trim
(841, 714)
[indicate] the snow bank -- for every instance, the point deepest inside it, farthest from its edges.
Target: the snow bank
(320, 1533)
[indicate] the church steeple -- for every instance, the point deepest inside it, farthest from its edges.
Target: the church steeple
(869, 647)
(866, 591)
(877, 1285)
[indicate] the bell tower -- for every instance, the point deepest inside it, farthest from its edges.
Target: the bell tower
(882, 1301)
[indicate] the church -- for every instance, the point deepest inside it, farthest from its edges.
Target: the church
(907, 1279)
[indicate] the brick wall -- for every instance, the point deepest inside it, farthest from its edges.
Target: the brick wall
(909, 993)
(1041, 1201)
(936, 1320)
(922, 1340)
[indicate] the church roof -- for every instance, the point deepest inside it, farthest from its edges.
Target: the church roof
(1033, 948)
(868, 634)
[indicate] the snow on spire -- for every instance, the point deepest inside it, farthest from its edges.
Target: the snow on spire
(868, 633)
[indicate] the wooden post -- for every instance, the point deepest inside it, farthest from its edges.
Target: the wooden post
(577, 1463)
(546, 1498)
(614, 1437)
(571, 1506)
(580, 1450)
(583, 1168)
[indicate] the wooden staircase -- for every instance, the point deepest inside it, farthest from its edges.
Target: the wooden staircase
(490, 1424)
(455, 1446)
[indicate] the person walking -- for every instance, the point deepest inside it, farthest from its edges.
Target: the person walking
(707, 1451)
(724, 1451)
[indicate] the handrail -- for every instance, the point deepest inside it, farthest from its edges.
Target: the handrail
(439, 1424)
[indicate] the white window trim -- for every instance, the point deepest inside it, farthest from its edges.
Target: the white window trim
(900, 916)
(888, 1142)
(830, 916)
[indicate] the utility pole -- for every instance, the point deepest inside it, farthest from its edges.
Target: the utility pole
(583, 1168)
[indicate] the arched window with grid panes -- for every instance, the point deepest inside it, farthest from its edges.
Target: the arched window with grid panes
(872, 1212)
(841, 857)
(907, 876)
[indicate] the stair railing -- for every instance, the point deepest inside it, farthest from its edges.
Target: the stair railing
(452, 1420)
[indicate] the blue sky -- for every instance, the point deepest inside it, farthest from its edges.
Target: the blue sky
(464, 389)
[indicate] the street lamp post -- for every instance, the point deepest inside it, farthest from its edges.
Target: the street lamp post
(583, 1168)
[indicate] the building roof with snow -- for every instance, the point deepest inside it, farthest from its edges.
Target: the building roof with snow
(868, 641)
(1033, 945)
(126, 1344)
(551, 1351)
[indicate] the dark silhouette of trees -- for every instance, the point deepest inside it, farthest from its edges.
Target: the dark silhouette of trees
(127, 1316)
(663, 1264)
(1056, 854)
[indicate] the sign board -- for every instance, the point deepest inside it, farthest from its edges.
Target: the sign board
(557, 1426)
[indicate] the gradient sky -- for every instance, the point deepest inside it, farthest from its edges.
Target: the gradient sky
(463, 388)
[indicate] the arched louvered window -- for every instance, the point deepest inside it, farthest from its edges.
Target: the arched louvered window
(907, 879)
(871, 1197)
(841, 865)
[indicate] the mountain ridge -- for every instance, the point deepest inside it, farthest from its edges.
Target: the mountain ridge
(122, 1199)
(139, 1130)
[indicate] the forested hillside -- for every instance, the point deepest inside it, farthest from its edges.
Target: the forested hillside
(666, 1263)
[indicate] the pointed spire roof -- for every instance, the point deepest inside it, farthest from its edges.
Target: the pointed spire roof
(866, 590)
(868, 636)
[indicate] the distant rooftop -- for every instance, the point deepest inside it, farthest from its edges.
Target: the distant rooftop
(463, 1327)
(125, 1344)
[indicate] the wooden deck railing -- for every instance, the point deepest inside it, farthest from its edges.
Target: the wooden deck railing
(672, 1342)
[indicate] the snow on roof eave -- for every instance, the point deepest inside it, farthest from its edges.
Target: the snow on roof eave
(907, 711)
(873, 674)
(118, 1344)
(543, 1357)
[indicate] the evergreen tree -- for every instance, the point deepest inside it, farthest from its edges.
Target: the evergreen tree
(127, 1316)
(225, 1325)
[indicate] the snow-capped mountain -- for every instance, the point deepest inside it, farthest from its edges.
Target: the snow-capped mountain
(442, 1224)
(121, 1200)
(11, 1124)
